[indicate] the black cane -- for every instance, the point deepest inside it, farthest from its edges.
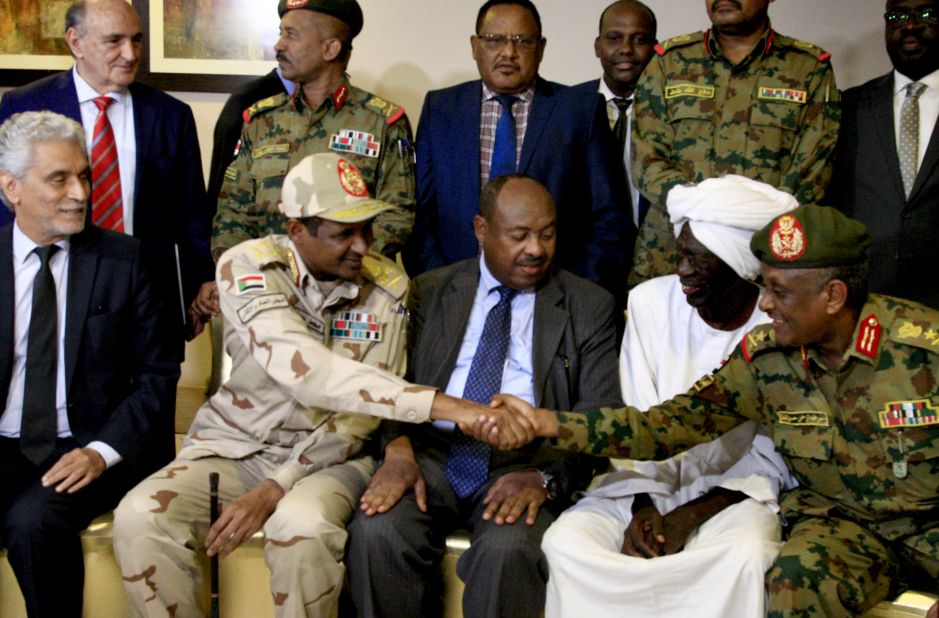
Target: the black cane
(213, 562)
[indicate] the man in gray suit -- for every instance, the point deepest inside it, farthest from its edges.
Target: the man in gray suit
(502, 322)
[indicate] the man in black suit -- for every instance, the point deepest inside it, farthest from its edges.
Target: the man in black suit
(162, 191)
(559, 346)
(87, 376)
(886, 172)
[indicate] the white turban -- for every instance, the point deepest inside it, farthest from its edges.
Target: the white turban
(725, 212)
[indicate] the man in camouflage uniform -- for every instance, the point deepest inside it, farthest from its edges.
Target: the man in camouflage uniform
(312, 322)
(739, 98)
(847, 385)
(324, 113)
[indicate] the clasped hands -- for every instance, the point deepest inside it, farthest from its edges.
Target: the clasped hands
(508, 423)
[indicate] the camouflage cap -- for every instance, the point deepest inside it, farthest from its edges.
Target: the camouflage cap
(327, 186)
(347, 11)
(811, 237)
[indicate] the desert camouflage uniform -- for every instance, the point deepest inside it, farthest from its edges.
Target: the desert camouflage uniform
(868, 499)
(773, 117)
(292, 412)
(281, 130)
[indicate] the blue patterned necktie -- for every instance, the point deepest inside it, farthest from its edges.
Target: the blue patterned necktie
(503, 150)
(468, 465)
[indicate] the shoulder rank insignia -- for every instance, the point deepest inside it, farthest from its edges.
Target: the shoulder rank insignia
(760, 338)
(355, 142)
(385, 274)
(263, 105)
(908, 414)
(390, 111)
(703, 383)
(815, 50)
(231, 174)
(868, 336)
(922, 334)
(356, 325)
(677, 41)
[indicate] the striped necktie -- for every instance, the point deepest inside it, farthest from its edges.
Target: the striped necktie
(107, 203)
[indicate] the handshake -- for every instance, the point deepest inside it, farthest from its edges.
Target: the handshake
(507, 423)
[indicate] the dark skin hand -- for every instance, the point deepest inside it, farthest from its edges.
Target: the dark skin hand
(397, 474)
(933, 611)
(242, 518)
(512, 495)
(650, 534)
(74, 470)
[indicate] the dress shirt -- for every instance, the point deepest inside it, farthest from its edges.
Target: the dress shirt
(322, 294)
(489, 119)
(121, 117)
(518, 374)
(928, 108)
(612, 114)
(25, 268)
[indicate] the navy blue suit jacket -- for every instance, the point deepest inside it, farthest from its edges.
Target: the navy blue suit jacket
(120, 366)
(568, 147)
(866, 185)
(171, 211)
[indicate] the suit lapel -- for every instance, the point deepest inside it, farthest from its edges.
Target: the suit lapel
(456, 305)
(466, 147)
(550, 318)
(542, 107)
(930, 158)
(6, 309)
(881, 110)
(82, 268)
(144, 122)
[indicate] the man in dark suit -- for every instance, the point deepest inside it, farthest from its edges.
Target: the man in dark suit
(559, 345)
(624, 45)
(882, 177)
(557, 136)
(162, 194)
(86, 374)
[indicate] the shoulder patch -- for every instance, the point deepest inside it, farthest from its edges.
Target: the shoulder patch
(679, 41)
(390, 111)
(385, 274)
(917, 333)
(264, 105)
(761, 338)
(813, 50)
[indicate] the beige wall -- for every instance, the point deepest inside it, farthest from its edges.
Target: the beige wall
(411, 46)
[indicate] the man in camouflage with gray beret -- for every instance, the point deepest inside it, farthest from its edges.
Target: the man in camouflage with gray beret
(847, 385)
(315, 326)
(739, 98)
(325, 113)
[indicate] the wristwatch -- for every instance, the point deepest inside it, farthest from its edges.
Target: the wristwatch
(550, 484)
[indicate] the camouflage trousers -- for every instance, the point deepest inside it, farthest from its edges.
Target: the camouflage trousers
(835, 567)
(656, 253)
(163, 522)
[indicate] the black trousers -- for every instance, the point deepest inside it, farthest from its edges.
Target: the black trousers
(41, 527)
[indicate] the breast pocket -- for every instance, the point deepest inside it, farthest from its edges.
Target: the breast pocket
(692, 120)
(772, 132)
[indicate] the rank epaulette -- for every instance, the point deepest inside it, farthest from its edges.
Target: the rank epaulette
(264, 105)
(390, 111)
(386, 274)
(813, 50)
(678, 41)
(917, 333)
(761, 338)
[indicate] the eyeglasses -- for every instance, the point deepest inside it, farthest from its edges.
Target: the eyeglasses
(927, 15)
(523, 43)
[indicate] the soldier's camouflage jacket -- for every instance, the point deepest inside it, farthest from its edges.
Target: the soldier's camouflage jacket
(863, 441)
(306, 367)
(280, 131)
(773, 117)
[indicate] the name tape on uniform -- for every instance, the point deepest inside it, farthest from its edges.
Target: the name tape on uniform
(689, 90)
(802, 419)
(356, 325)
(259, 304)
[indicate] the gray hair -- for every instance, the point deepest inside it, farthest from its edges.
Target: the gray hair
(21, 131)
(75, 17)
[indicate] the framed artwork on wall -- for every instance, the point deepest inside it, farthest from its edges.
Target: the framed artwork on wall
(32, 40)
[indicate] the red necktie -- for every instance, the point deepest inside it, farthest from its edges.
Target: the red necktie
(107, 203)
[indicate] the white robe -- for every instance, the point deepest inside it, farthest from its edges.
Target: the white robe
(666, 348)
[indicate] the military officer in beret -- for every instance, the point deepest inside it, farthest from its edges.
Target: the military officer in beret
(738, 98)
(847, 385)
(315, 325)
(324, 113)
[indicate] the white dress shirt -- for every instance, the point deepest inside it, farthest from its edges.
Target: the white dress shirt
(928, 108)
(25, 268)
(121, 117)
(612, 114)
(518, 374)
